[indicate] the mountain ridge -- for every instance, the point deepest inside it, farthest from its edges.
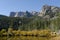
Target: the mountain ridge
(46, 11)
(31, 22)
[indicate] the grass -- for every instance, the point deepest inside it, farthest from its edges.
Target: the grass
(56, 38)
(41, 33)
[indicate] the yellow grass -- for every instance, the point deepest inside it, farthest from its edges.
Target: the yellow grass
(46, 33)
(56, 38)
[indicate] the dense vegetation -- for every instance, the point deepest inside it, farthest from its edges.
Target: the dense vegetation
(18, 25)
(31, 23)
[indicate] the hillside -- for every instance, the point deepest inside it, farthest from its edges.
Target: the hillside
(2, 16)
(47, 18)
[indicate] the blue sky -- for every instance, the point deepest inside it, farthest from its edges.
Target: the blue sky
(6, 6)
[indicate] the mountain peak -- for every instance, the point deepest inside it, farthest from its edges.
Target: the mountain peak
(49, 10)
(23, 14)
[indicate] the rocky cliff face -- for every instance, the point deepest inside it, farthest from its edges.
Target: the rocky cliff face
(46, 12)
(23, 14)
(49, 11)
(12, 14)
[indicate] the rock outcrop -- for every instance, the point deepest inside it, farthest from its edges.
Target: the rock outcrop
(49, 10)
(23, 14)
